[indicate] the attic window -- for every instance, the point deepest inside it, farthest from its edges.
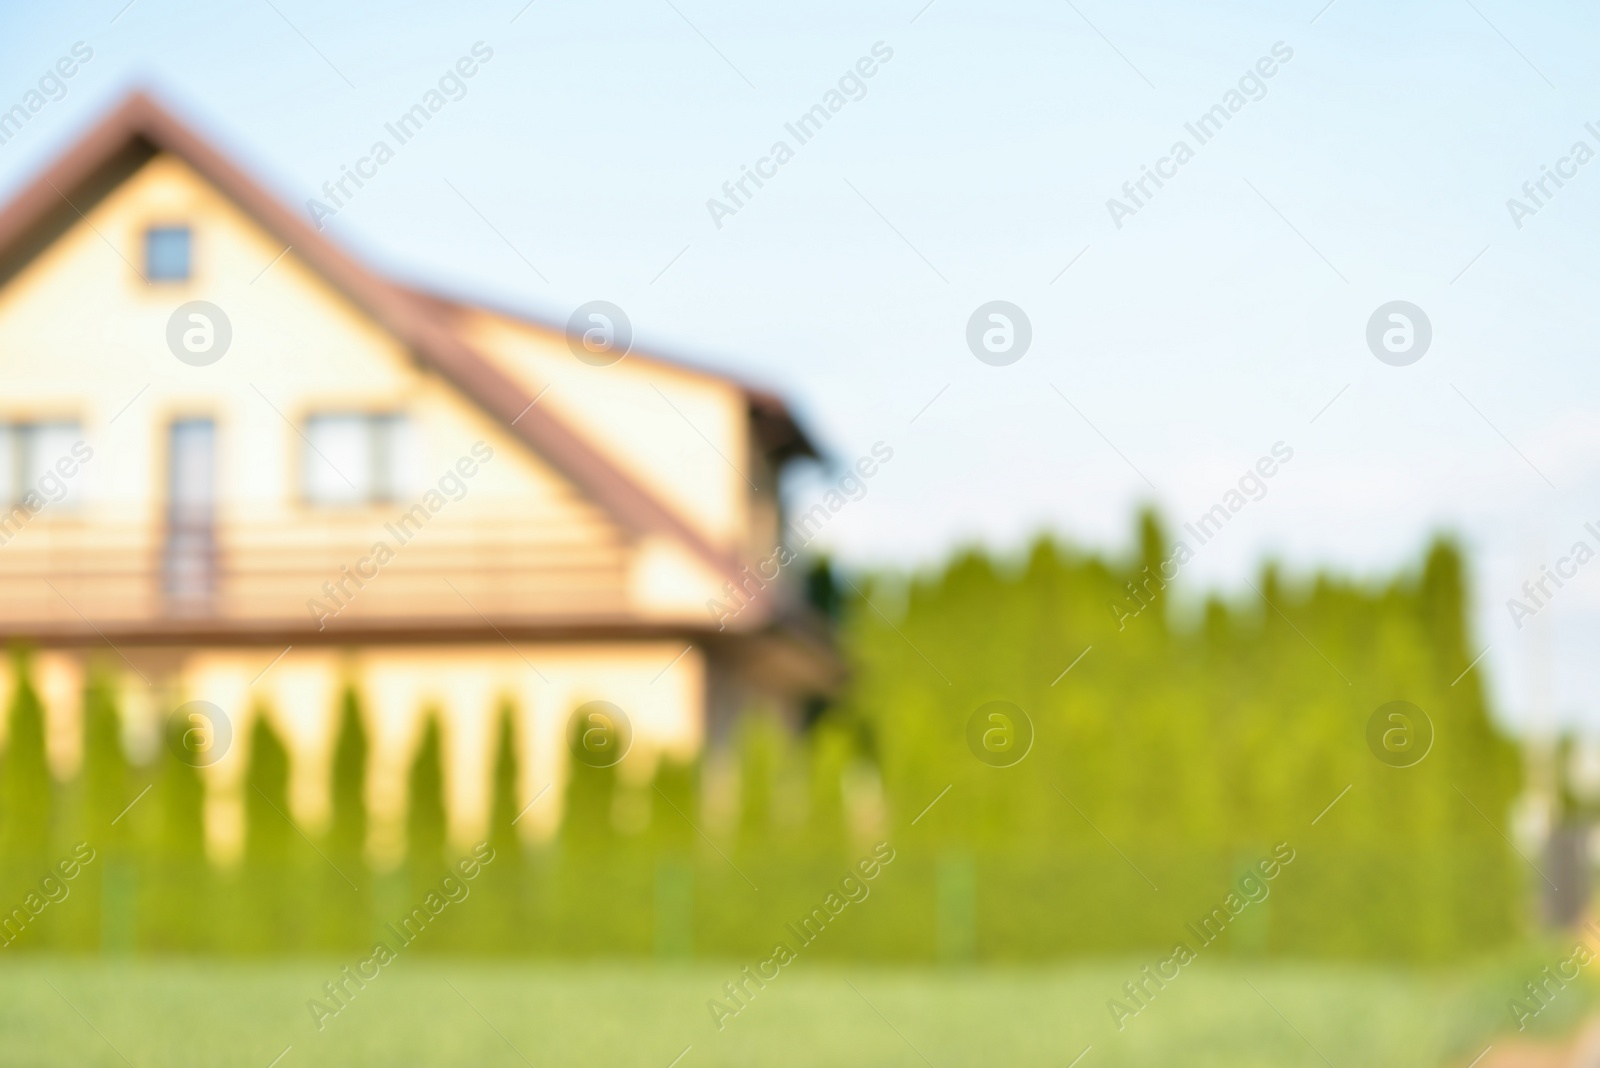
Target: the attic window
(166, 253)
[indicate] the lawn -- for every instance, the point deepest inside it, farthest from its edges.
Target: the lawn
(438, 1012)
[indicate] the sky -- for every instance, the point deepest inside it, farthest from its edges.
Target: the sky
(1176, 339)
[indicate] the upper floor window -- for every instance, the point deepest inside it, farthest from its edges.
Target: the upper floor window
(358, 457)
(166, 254)
(41, 460)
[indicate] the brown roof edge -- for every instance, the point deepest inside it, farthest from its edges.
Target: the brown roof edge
(138, 128)
(775, 427)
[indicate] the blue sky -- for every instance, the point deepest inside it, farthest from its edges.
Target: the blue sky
(1218, 320)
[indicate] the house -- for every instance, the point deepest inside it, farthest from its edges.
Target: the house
(238, 467)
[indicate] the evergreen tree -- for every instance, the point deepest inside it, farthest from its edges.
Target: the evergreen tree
(496, 925)
(347, 832)
(761, 743)
(100, 795)
(271, 881)
(168, 895)
(585, 871)
(104, 774)
(503, 806)
(426, 827)
(672, 842)
(345, 916)
(674, 796)
(831, 746)
(26, 801)
(587, 827)
(268, 832)
(177, 829)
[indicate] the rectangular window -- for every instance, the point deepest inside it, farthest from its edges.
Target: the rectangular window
(358, 458)
(37, 459)
(166, 254)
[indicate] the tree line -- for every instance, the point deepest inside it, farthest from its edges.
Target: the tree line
(1179, 746)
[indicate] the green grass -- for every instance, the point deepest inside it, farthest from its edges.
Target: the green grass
(427, 1012)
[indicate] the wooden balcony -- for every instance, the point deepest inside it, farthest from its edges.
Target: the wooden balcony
(73, 577)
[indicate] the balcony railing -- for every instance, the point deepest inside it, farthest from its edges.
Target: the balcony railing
(71, 572)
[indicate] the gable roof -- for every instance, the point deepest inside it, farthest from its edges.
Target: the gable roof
(139, 129)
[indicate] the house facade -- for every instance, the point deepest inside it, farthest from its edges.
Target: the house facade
(238, 467)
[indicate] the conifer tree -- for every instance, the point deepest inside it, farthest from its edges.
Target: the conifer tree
(672, 841)
(497, 924)
(272, 883)
(425, 812)
(26, 805)
(166, 900)
(760, 743)
(26, 801)
(586, 827)
(344, 913)
(104, 772)
(503, 806)
(674, 797)
(177, 830)
(347, 832)
(100, 796)
(266, 798)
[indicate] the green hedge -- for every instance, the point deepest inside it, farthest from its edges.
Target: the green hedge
(1179, 751)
